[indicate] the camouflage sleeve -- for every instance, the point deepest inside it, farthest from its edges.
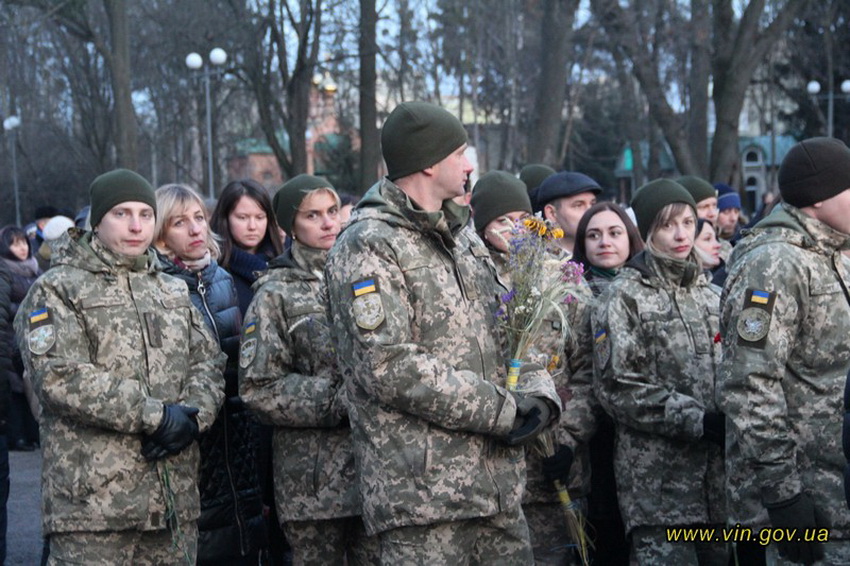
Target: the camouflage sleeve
(65, 378)
(757, 338)
(625, 376)
(578, 420)
(389, 361)
(203, 386)
(268, 380)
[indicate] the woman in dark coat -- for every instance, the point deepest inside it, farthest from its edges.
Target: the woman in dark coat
(231, 528)
(16, 254)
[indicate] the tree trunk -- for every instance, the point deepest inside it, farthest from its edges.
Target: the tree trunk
(556, 24)
(369, 142)
(125, 115)
(698, 76)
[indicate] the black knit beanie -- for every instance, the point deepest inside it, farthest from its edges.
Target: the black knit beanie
(654, 196)
(418, 135)
(497, 193)
(533, 174)
(814, 170)
(115, 187)
(700, 189)
(288, 198)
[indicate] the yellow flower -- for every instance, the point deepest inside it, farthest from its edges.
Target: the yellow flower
(557, 233)
(535, 225)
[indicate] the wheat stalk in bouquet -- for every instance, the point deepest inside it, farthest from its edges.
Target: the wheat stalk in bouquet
(537, 290)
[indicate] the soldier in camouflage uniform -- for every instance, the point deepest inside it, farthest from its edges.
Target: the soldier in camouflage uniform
(289, 375)
(785, 323)
(413, 295)
(499, 200)
(127, 375)
(655, 354)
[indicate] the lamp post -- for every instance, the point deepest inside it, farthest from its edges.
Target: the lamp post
(218, 56)
(11, 124)
(814, 88)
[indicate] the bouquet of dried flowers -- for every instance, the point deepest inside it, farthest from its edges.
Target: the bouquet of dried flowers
(540, 285)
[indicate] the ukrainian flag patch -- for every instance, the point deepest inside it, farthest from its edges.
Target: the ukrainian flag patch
(39, 315)
(250, 327)
(602, 347)
(364, 287)
(760, 297)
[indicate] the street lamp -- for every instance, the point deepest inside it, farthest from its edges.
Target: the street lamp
(11, 124)
(218, 56)
(814, 88)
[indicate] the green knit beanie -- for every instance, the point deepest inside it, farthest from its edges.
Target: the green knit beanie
(533, 174)
(497, 193)
(814, 170)
(115, 187)
(288, 198)
(700, 189)
(654, 196)
(418, 135)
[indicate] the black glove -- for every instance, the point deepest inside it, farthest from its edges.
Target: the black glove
(797, 513)
(532, 415)
(178, 429)
(714, 428)
(557, 466)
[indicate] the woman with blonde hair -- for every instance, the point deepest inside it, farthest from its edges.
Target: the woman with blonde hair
(231, 526)
(656, 350)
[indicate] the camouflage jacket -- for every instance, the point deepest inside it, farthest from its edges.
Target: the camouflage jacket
(108, 340)
(572, 372)
(413, 298)
(655, 352)
(785, 323)
(290, 377)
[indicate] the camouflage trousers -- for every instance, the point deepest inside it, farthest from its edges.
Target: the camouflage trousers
(501, 539)
(124, 548)
(650, 547)
(332, 542)
(836, 553)
(550, 540)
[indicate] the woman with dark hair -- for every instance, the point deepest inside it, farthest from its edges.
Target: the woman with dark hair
(606, 238)
(656, 353)
(16, 254)
(244, 218)
(708, 249)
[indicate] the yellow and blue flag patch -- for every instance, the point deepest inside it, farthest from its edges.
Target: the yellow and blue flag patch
(760, 297)
(39, 315)
(364, 287)
(250, 327)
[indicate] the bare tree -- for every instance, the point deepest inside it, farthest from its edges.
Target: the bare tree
(369, 143)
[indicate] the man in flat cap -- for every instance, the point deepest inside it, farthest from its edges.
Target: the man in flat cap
(563, 199)
(785, 319)
(412, 294)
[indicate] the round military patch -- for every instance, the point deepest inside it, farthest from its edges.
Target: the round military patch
(368, 311)
(753, 324)
(247, 352)
(41, 339)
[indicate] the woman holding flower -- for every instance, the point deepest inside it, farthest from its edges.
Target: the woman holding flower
(500, 203)
(655, 361)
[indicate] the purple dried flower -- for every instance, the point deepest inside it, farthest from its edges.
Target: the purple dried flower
(570, 299)
(572, 272)
(506, 298)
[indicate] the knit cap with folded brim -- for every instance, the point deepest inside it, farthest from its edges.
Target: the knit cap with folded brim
(651, 198)
(814, 170)
(700, 189)
(115, 187)
(534, 174)
(418, 135)
(495, 194)
(288, 198)
(727, 197)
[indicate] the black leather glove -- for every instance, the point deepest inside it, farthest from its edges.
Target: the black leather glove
(797, 513)
(532, 416)
(178, 429)
(557, 466)
(714, 428)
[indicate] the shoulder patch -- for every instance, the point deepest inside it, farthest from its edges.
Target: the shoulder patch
(247, 352)
(602, 347)
(364, 287)
(368, 310)
(754, 321)
(42, 335)
(249, 328)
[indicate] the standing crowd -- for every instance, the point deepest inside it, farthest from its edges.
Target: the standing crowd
(273, 382)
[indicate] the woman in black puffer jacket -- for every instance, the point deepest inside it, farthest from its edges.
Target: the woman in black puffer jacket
(16, 254)
(231, 526)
